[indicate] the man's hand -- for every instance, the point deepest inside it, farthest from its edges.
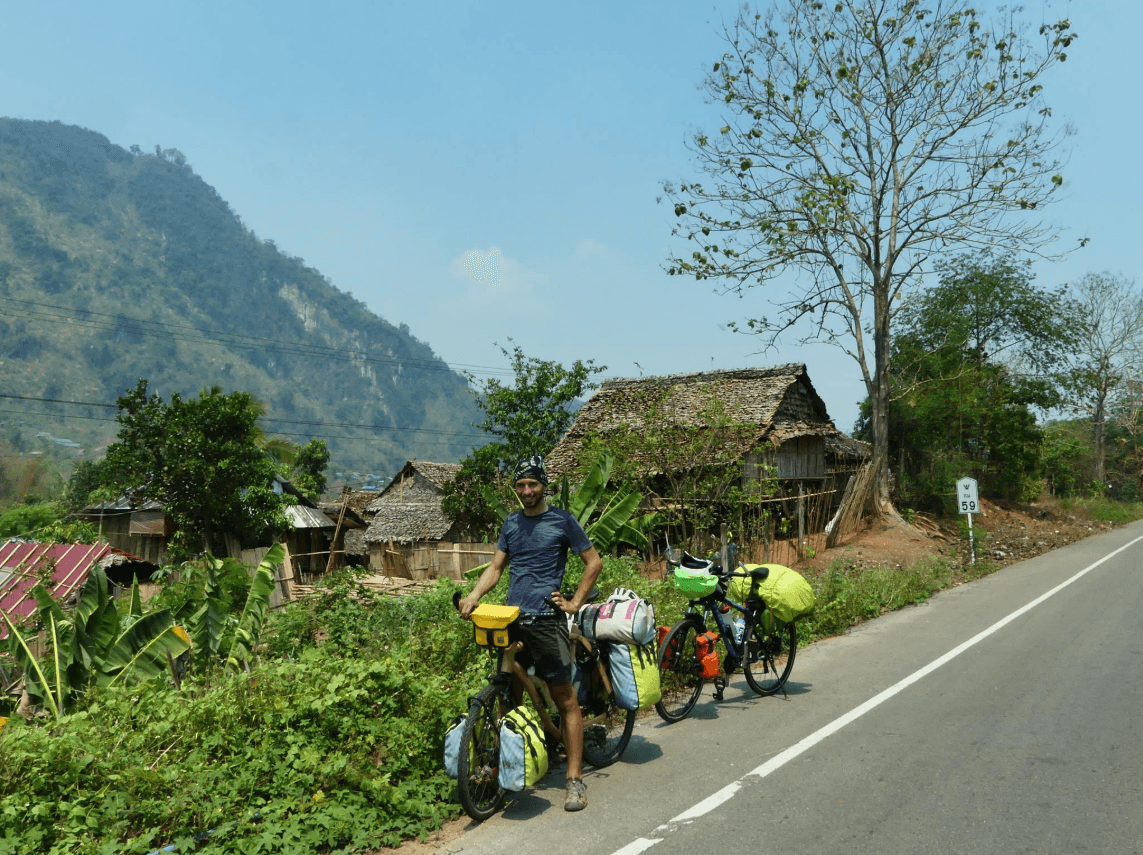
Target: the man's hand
(467, 605)
(568, 606)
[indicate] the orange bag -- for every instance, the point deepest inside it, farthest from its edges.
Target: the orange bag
(706, 655)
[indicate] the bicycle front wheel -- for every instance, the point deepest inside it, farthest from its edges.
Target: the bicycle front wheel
(478, 766)
(680, 676)
(769, 655)
(606, 734)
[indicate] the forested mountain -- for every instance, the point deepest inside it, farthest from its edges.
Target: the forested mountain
(117, 265)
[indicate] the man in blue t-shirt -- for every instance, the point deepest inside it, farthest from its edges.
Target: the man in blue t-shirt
(535, 542)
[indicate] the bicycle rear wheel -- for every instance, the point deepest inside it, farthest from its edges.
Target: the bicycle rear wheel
(478, 765)
(680, 676)
(606, 734)
(770, 649)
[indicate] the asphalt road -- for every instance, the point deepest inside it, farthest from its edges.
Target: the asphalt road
(1002, 716)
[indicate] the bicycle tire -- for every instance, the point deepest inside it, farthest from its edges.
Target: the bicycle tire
(605, 735)
(478, 766)
(769, 654)
(680, 677)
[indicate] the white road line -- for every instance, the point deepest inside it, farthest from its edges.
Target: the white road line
(710, 802)
(637, 846)
(778, 761)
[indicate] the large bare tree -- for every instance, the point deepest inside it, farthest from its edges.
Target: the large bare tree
(862, 139)
(1109, 356)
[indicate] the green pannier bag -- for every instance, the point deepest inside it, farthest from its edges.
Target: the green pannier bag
(523, 750)
(785, 591)
(634, 672)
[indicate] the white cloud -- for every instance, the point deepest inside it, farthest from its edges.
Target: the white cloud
(589, 249)
(498, 282)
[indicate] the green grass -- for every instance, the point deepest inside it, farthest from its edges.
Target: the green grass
(1106, 510)
(848, 594)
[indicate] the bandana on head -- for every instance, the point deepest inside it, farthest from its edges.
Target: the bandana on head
(530, 467)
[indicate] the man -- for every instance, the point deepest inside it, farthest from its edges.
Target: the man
(535, 542)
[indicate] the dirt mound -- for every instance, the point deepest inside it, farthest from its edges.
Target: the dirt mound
(1004, 532)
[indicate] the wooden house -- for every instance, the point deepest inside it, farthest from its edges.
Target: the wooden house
(410, 536)
(140, 529)
(143, 529)
(352, 508)
(766, 428)
(782, 428)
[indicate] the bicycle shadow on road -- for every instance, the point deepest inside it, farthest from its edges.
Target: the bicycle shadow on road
(639, 750)
(740, 696)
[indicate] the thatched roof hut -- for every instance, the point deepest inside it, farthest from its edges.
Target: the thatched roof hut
(409, 509)
(784, 416)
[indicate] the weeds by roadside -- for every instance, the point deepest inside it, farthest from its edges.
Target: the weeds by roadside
(1106, 510)
(848, 594)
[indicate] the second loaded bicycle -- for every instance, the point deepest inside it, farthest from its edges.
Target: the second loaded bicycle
(752, 638)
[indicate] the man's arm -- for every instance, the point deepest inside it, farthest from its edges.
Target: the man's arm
(485, 583)
(592, 566)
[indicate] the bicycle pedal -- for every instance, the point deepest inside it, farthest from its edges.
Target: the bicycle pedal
(719, 685)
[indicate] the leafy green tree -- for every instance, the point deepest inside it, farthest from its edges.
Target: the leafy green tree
(860, 138)
(200, 459)
(464, 499)
(25, 520)
(87, 477)
(1127, 436)
(986, 309)
(308, 473)
(972, 356)
(528, 417)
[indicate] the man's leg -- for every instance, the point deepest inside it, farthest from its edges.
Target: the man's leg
(564, 695)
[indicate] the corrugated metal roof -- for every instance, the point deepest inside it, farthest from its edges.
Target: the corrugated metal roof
(23, 564)
(122, 505)
(303, 517)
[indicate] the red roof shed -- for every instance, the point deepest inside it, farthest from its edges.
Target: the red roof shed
(22, 565)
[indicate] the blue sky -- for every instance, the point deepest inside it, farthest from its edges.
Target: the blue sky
(388, 144)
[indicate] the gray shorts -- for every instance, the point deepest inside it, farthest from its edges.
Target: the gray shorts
(547, 646)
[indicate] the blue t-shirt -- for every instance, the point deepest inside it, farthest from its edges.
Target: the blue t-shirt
(537, 549)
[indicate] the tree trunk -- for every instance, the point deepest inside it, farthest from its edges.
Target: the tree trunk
(1099, 429)
(878, 502)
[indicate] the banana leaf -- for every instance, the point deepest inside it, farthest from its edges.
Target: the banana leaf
(208, 625)
(141, 651)
(35, 680)
(93, 596)
(257, 601)
(604, 532)
(583, 502)
(134, 605)
(47, 604)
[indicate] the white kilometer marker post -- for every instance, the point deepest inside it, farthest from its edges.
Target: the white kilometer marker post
(969, 502)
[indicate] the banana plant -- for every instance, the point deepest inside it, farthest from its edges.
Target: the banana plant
(95, 644)
(616, 522)
(249, 628)
(217, 636)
